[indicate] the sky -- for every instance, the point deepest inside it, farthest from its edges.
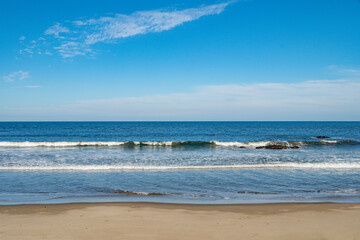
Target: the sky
(109, 60)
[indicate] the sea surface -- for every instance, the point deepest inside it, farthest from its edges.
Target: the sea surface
(179, 162)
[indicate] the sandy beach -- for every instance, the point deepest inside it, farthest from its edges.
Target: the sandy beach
(179, 221)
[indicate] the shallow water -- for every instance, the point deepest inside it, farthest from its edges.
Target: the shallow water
(183, 162)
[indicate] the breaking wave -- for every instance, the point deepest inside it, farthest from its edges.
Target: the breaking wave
(253, 145)
(139, 193)
(153, 193)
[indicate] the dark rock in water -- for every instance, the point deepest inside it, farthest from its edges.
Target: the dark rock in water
(277, 147)
(250, 192)
(138, 193)
(322, 137)
(271, 147)
(155, 193)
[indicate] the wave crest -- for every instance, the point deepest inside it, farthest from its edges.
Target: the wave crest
(250, 145)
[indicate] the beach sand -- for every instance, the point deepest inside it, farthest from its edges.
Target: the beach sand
(179, 221)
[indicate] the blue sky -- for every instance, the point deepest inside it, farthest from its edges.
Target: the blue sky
(179, 60)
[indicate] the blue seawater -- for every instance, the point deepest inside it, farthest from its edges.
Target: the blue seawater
(179, 162)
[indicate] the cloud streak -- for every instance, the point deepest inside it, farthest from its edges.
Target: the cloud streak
(15, 76)
(56, 30)
(309, 100)
(341, 70)
(73, 38)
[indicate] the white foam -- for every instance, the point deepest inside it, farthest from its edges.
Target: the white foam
(164, 168)
(114, 144)
(59, 144)
(329, 141)
(242, 144)
(82, 144)
(340, 191)
(251, 144)
(169, 143)
(64, 144)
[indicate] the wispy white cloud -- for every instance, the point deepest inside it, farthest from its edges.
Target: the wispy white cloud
(122, 26)
(18, 75)
(56, 30)
(72, 49)
(73, 38)
(351, 71)
(344, 70)
(309, 100)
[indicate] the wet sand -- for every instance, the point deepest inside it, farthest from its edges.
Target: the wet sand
(180, 221)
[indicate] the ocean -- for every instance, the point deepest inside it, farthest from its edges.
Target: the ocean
(179, 162)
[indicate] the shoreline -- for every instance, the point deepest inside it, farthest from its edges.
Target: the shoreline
(234, 208)
(143, 220)
(177, 204)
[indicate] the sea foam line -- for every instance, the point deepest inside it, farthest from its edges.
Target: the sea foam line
(252, 145)
(164, 168)
(27, 144)
(59, 144)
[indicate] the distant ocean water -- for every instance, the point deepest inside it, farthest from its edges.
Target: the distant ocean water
(182, 162)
